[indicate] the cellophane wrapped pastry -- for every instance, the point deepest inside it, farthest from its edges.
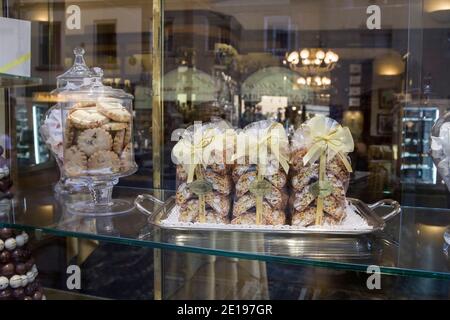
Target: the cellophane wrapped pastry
(319, 137)
(204, 184)
(261, 156)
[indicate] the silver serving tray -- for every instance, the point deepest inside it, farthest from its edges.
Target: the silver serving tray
(158, 210)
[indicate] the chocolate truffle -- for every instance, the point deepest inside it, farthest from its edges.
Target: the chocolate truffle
(18, 255)
(18, 293)
(30, 289)
(5, 257)
(21, 268)
(27, 298)
(6, 294)
(7, 270)
(2, 245)
(29, 264)
(5, 233)
(37, 296)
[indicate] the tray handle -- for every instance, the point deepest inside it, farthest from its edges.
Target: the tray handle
(141, 198)
(396, 208)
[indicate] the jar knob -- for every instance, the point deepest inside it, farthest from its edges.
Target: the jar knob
(79, 55)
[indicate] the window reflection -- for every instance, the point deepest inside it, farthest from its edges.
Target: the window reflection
(234, 60)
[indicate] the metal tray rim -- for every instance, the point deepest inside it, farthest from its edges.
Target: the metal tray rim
(366, 211)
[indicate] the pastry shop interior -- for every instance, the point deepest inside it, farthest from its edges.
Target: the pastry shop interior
(224, 149)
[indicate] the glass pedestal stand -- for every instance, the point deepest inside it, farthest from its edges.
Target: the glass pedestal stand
(101, 202)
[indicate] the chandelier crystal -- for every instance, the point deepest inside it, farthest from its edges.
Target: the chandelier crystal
(313, 65)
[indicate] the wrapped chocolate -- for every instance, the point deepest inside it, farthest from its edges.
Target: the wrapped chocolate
(204, 184)
(320, 172)
(260, 174)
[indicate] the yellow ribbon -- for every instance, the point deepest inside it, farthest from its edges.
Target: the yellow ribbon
(327, 139)
(195, 151)
(330, 137)
(273, 140)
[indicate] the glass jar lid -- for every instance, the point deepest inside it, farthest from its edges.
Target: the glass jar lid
(94, 89)
(78, 75)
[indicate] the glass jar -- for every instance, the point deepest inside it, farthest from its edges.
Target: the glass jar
(97, 125)
(440, 147)
(51, 130)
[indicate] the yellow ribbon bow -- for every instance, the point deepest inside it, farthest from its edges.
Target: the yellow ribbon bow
(195, 150)
(326, 135)
(257, 146)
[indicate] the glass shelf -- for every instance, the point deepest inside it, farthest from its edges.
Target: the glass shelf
(412, 244)
(8, 80)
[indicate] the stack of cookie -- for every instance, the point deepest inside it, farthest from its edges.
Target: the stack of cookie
(260, 175)
(218, 200)
(97, 139)
(303, 201)
(18, 271)
(274, 201)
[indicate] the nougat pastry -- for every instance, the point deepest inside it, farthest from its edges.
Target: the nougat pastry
(279, 179)
(241, 169)
(189, 212)
(275, 217)
(307, 218)
(305, 176)
(183, 194)
(220, 183)
(297, 158)
(302, 199)
(337, 168)
(218, 202)
(304, 217)
(334, 207)
(244, 182)
(182, 174)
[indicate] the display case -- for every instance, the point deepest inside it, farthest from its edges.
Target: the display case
(417, 164)
(269, 64)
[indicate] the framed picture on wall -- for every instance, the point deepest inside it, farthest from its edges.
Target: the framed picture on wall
(354, 102)
(355, 68)
(384, 124)
(386, 98)
(355, 80)
(354, 91)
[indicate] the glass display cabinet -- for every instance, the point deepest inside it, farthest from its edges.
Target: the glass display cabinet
(374, 67)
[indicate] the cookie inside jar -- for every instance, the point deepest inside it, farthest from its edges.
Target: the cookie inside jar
(99, 131)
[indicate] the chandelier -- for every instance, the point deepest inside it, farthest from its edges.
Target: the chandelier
(311, 61)
(314, 66)
(316, 82)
